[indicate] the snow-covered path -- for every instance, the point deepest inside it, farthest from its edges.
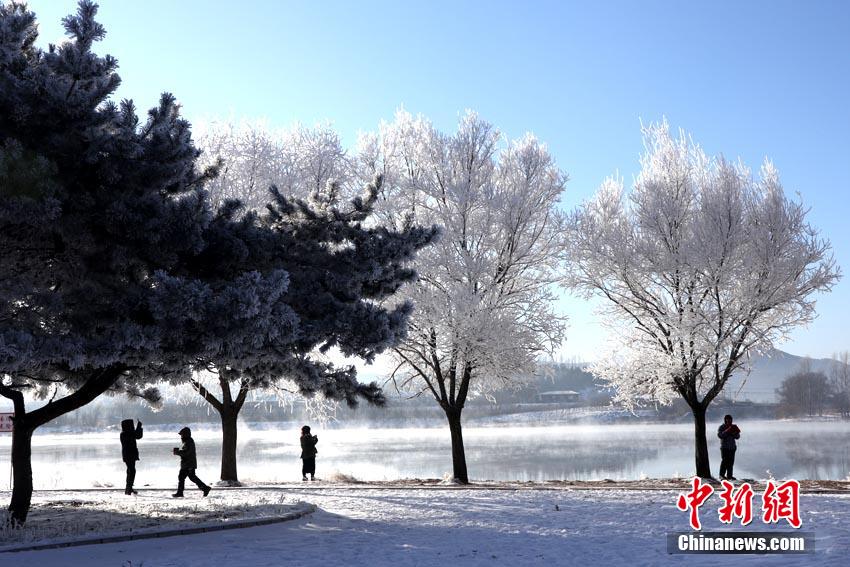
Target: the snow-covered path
(431, 527)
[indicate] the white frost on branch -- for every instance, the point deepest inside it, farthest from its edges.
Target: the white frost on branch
(702, 265)
(484, 299)
(299, 161)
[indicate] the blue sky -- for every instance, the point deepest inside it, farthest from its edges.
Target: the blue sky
(746, 79)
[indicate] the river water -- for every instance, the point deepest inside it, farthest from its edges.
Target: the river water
(784, 449)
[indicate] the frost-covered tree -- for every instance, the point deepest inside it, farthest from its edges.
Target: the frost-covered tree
(804, 392)
(483, 299)
(298, 161)
(701, 265)
(94, 209)
(342, 269)
(108, 242)
(839, 375)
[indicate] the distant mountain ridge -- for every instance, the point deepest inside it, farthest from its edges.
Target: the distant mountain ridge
(759, 385)
(768, 372)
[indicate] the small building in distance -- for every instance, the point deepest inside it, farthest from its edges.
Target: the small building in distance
(558, 396)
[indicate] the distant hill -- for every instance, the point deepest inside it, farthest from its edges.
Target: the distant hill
(767, 374)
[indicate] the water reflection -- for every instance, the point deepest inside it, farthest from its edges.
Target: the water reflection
(818, 460)
(571, 452)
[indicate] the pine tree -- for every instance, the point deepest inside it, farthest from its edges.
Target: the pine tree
(102, 221)
(341, 273)
(116, 273)
(93, 207)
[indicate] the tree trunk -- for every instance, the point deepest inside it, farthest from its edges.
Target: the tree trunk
(25, 424)
(228, 447)
(458, 453)
(19, 506)
(228, 410)
(703, 467)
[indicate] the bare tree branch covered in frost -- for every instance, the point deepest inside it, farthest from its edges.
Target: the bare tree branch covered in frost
(254, 157)
(483, 298)
(701, 265)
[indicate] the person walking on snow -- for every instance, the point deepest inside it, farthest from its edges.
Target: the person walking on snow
(727, 433)
(308, 453)
(130, 452)
(188, 463)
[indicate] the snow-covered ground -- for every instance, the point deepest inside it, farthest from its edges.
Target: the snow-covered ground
(428, 526)
(74, 515)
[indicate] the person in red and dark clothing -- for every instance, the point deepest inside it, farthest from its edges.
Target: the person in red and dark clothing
(130, 451)
(727, 433)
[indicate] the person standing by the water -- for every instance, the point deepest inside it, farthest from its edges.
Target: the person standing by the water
(130, 451)
(188, 463)
(728, 432)
(308, 453)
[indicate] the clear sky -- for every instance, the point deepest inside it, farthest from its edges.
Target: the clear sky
(747, 79)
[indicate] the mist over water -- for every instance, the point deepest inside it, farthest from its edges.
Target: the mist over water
(802, 450)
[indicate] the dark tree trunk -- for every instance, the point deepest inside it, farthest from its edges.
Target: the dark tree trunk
(19, 506)
(228, 447)
(25, 424)
(228, 409)
(703, 467)
(450, 386)
(458, 453)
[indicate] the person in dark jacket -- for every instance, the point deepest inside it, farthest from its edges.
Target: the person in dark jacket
(727, 433)
(308, 453)
(188, 463)
(130, 452)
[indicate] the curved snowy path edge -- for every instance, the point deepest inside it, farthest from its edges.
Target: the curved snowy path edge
(305, 510)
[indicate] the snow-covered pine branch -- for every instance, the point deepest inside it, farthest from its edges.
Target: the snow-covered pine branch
(288, 204)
